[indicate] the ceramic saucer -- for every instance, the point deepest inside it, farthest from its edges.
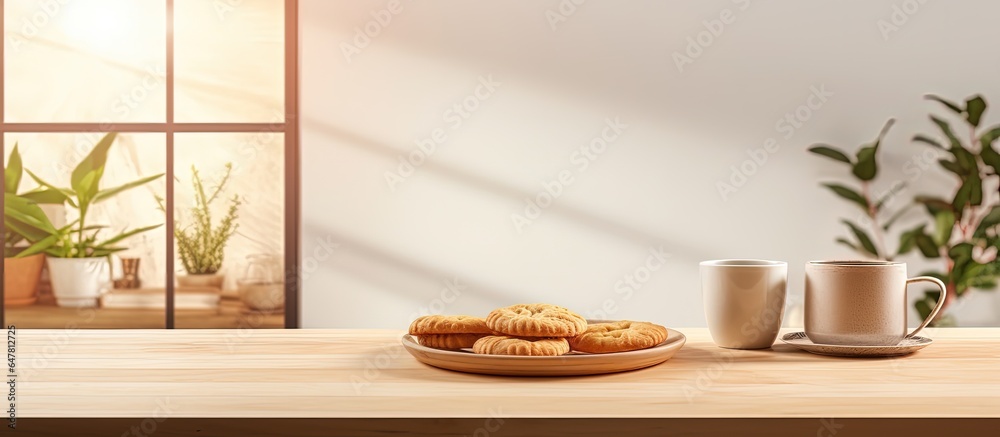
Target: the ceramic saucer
(905, 347)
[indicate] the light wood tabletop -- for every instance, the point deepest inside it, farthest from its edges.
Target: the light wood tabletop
(366, 373)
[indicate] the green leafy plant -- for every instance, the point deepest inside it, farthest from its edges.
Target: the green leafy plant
(960, 229)
(24, 220)
(201, 246)
(80, 239)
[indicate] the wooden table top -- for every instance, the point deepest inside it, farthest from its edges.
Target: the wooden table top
(366, 373)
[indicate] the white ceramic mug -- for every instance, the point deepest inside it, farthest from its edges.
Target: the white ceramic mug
(744, 301)
(860, 303)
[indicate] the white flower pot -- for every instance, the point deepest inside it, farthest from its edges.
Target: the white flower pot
(79, 282)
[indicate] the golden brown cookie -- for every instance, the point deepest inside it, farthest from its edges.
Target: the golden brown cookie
(452, 342)
(504, 345)
(536, 320)
(438, 324)
(621, 336)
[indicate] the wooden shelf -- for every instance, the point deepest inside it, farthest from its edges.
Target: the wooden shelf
(230, 314)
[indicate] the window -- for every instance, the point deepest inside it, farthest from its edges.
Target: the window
(206, 87)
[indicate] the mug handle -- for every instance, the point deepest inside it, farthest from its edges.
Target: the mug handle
(937, 308)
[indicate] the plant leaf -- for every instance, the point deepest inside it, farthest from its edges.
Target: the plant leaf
(892, 220)
(40, 246)
(987, 152)
(908, 239)
(970, 193)
(990, 220)
(13, 172)
(934, 204)
(966, 160)
(974, 109)
(26, 219)
(111, 192)
(927, 246)
(86, 178)
(45, 196)
(68, 195)
(990, 135)
(849, 194)
(863, 238)
(866, 167)
(830, 152)
(848, 244)
(948, 133)
(46, 244)
(951, 166)
(923, 307)
(944, 223)
(928, 140)
(953, 107)
(107, 243)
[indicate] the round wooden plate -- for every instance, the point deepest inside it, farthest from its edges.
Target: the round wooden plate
(573, 363)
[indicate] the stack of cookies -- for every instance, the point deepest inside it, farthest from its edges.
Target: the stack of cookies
(534, 330)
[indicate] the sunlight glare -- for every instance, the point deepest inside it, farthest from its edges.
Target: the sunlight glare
(112, 28)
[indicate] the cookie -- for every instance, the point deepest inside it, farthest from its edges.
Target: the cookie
(621, 336)
(536, 320)
(504, 345)
(438, 324)
(452, 342)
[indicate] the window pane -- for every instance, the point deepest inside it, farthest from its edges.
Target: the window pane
(250, 272)
(135, 300)
(85, 61)
(229, 61)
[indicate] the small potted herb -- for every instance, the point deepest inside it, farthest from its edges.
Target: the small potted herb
(201, 244)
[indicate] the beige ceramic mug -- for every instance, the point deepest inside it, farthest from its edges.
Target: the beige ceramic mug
(744, 301)
(860, 303)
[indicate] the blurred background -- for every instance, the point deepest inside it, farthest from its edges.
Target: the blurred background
(104, 62)
(462, 155)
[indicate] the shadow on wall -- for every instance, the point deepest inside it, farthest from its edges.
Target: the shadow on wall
(632, 235)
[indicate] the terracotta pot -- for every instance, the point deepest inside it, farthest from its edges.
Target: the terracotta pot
(20, 280)
(211, 280)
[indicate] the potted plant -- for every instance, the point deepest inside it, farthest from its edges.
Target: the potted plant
(79, 263)
(960, 231)
(25, 223)
(201, 245)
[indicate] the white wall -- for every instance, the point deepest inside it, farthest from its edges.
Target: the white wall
(655, 186)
